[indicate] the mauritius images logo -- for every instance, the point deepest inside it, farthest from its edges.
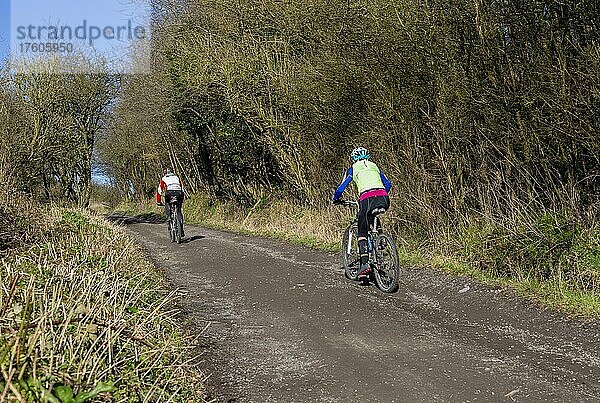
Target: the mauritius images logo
(115, 31)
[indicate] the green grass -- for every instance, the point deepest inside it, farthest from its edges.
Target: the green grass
(410, 257)
(562, 296)
(554, 294)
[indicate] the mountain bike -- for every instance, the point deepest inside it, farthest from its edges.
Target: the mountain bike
(383, 255)
(175, 224)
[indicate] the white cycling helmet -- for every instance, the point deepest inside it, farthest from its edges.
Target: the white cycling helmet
(360, 153)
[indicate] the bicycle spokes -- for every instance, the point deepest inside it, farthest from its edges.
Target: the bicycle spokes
(386, 273)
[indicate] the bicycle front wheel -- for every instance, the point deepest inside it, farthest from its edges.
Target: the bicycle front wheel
(350, 252)
(387, 271)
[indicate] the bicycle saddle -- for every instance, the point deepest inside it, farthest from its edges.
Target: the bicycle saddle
(378, 211)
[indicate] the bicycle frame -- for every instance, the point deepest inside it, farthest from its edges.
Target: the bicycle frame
(373, 239)
(372, 236)
(173, 209)
(383, 255)
(174, 225)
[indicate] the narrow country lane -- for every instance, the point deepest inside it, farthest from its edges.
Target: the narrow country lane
(284, 325)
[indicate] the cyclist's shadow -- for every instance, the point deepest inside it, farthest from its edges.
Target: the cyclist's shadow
(148, 218)
(192, 238)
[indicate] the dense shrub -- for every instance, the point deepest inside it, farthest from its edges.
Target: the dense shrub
(469, 107)
(481, 113)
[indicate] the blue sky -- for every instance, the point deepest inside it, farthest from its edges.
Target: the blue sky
(102, 14)
(4, 27)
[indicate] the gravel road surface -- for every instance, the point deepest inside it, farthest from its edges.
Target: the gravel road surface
(282, 324)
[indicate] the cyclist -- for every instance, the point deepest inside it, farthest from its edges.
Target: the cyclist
(373, 187)
(170, 186)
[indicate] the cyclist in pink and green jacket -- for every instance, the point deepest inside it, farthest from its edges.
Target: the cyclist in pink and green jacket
(373, 187)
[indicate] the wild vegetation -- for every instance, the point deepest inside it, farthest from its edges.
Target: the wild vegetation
(84, 316)
(485, 115)
(51, 113)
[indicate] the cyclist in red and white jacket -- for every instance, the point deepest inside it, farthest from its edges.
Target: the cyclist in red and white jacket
(170, 186)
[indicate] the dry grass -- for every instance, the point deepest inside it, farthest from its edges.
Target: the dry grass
(16, 221)
(312, 226)
(84, 316)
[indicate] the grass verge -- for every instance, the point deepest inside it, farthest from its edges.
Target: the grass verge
(84, 316)
(552, 293)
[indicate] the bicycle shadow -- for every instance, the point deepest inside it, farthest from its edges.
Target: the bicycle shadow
(368, 283)
(192, 239)
(147, 218)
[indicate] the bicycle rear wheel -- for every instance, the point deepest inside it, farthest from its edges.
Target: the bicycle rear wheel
(387, 271)
(350, 251)
(172, 234)
(178, 229)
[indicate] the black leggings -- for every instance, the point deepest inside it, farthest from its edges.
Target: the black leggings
(365, 218)
(168, 195)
